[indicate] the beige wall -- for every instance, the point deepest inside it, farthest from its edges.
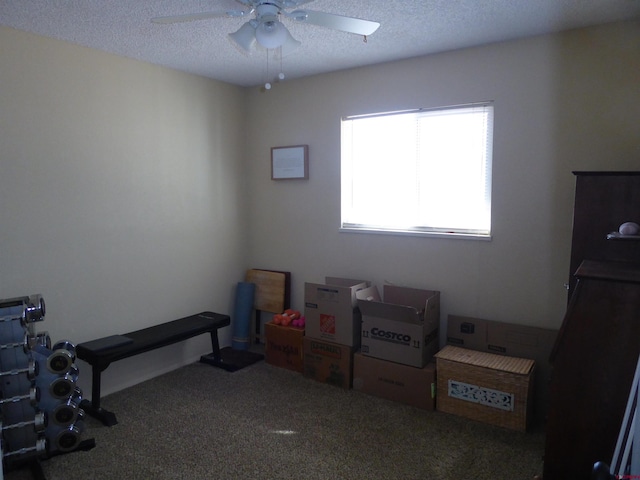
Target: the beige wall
(121, 198)
(130, 194)
(562, 103)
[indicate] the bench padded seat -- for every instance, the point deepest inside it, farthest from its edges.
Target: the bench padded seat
(102, 352)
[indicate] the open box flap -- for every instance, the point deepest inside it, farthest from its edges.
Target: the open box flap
(413, 297)
(390, 311)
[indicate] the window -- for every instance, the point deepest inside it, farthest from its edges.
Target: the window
(424, 171)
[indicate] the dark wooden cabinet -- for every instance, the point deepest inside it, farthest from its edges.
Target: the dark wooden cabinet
(595, 354)
(594, 360)
(603, 201)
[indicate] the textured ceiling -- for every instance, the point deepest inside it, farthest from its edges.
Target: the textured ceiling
(408, 28)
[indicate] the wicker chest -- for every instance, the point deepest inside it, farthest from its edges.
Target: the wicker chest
(486, 387)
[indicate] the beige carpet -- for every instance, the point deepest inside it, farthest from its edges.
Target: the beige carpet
(263, 422)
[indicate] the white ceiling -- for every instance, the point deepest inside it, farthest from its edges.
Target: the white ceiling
(408, 28)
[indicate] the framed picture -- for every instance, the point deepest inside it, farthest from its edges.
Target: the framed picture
(290, 162)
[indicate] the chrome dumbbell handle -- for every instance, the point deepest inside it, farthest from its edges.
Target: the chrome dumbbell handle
(39, 447)
(31, 370)
(9, 346)
(33, 396)
(39, 423)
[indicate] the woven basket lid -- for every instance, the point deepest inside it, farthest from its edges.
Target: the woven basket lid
(520, 366)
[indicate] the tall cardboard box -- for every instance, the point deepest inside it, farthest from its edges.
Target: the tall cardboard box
(486, 387)
(283, 347)
(394, 381)
(513, 340)
(403, 328)
(331, 310)
(328, 362)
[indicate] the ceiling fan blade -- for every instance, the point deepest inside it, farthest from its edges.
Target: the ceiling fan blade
(339, 22)
(294, 3)
(193, 17)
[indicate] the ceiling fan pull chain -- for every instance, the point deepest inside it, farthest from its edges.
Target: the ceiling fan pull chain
(267, 85)
(364, 38)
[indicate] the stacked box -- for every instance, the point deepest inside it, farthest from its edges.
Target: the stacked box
(509, 339)
(487, 387)
(331, 310)
(394, 381)
(284, 346)
(328, 362)
(403, 328)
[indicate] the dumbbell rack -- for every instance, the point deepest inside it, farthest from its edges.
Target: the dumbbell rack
(39, 397)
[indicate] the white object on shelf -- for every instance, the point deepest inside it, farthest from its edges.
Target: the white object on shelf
(629, 228)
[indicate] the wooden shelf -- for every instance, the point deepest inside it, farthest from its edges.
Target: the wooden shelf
(619, 236)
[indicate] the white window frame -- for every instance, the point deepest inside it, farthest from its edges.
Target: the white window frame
(401, 179)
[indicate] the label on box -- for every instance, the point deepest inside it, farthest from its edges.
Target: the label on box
(392, 337)
(328, 323)
(328, 295)
(325, 349)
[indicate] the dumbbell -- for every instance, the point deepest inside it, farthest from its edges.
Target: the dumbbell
(62, 358)
(62, 387)
(33, 396)
(39, 447)
(39, 423)
(66, 413)
(67, 439)
(31, 370)
(35, 310)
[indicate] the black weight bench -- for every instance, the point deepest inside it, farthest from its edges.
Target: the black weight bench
(102, 352)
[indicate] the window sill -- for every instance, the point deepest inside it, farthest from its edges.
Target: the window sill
(414, 233)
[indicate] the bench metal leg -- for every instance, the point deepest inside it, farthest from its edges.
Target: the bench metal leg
(93, 408)
(227, 358)
(215, 346)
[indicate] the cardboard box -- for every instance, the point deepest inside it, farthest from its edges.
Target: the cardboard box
(509, 339)
(331, 310)
(328, 362)
(394, 381)
(283, 346)
(403, 328)
(486, 387)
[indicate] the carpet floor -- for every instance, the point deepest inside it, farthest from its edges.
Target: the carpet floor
(263, 422)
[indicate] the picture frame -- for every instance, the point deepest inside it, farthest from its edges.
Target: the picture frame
(290, 162)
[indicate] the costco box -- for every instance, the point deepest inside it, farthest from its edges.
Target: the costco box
(509, 339)
(486, 387)
(331, 310)
(328, 362)
(403, 328)
(283, 347)
(394, 381)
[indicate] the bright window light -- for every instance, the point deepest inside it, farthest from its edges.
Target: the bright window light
(419, 171)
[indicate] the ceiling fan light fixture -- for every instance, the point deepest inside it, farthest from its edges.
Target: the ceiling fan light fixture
(271, 33)
(289, 45)
(245, 36)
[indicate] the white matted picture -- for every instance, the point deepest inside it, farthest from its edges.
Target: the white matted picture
(290, 162)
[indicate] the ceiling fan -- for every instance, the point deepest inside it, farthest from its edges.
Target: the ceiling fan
(266, 29)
